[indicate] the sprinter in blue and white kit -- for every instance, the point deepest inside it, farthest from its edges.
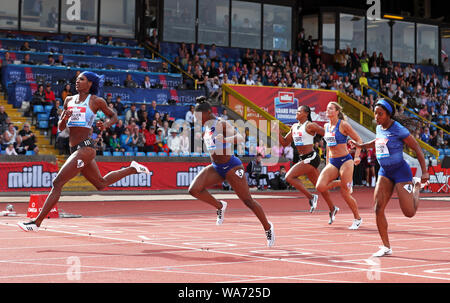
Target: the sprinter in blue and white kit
(394, 173)
(219, 137)
(78, 116)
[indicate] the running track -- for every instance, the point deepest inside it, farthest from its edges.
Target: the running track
(174, 239)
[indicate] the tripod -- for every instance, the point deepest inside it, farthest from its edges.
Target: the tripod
(445, 165)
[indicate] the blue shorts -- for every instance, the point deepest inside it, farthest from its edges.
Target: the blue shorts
(338, 162)
(397, 173)
(222, 169)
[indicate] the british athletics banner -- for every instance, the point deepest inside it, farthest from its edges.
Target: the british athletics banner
(29, 73)
(282, 103)
(70, 47)
(91, 61)
(27, 176)
(165, 175)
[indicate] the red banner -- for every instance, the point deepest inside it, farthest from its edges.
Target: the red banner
(282, 103)
(30, 176)
(439, 179)
(164, 175)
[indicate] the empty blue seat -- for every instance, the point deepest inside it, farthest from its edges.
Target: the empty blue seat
(195, 154)
(185, 154)
(205, 155)
(151, 154)
(29, 153)
(129, 154)
(43, 124)
(162, 154)
(140, 154)
(107, 153)
(43, 117)
(48, 108)
(117, 154)
(172, 154)
(3, 152)
(38, 109)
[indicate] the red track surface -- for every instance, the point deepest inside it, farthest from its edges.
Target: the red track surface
(178, 241)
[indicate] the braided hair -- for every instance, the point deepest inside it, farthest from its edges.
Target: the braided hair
(202, 105)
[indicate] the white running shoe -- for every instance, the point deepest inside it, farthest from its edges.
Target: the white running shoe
(270, 235)
(356, 224)
(384, 251)
(333, 214)
(313, 202)
(140, 169)
(29, 226)
(221, 212)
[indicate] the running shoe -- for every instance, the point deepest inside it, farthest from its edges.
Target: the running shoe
(333, 214)
(140, 169)
(313, 203)
(270, 235)
(356, 224)
(221, 212)
(29, 226)
(384, 251)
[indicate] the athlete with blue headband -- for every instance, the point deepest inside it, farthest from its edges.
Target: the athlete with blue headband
(395, 173)
(78, 116)
(218, 137)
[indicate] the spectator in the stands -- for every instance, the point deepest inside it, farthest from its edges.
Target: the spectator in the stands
(424, 112)
(174, 142)
(189, 117)
(10, 150)
(161, 141)
(426, 136)
(213, 56)
(60, 60)
(129, 82)
(38, 97)
(10, 136)
(28, 140)
(153, 41)
(67, 91)
(49, 94)
(202, 52)
(447, 124)
(142, 109)
(27, 60)
(152, 110)
(150, 140)
(25, 47)
(119, 106)
(146, 83)
(126, 141)
(110, 41)
(446, 66)
(138, 140)
(101, 41)
(50, 60)
(68, 37)
(114, 143)
(157, 118)
(3, 116)
(90, 40)
(131, 113)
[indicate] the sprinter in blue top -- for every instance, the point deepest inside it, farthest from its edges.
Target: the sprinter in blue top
(394, 172)
(78, 116)
(219, 136)
(339, 162)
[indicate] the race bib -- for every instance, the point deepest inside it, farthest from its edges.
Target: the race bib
(78, 116)
(330, 139)
(209, 140)
(381, 148)
(298, 139)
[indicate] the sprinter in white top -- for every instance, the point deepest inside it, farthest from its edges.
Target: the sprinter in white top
(302, 134)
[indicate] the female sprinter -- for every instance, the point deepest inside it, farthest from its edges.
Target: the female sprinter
(302, 134)
(225, 166)
(394, 172)
(339, 161)
(78, 115)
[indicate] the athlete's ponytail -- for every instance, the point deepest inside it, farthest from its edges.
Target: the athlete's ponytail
(411, 123)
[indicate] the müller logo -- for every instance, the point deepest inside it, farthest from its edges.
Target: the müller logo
(185, 178)
(135, 180)
(286, 97)
(31, 177)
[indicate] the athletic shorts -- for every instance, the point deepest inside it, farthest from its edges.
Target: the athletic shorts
(222, 169)
(397, 173)
(312, 159)
(85, 143)
(338, 162)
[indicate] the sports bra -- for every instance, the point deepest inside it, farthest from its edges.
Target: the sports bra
(300, 136)
(334, 138)
(82, 115)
